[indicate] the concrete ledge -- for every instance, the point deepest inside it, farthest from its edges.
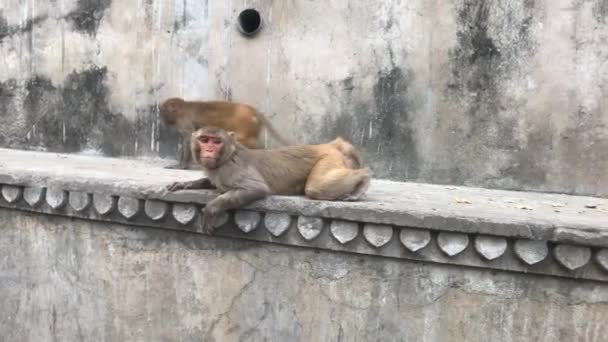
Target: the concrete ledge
(516, 231)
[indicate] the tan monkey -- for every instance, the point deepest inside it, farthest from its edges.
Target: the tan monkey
(330, 171)
(187, 116)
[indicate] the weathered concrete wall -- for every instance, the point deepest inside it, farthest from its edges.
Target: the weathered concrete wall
(65, 279)
(508, 94)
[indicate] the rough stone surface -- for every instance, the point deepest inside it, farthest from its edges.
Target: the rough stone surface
(414, 239)
(344, 231)
(531, 251)
(377, 235)
(277, 223)
(103, 203)
(247, 220)
(602, 258)
(156, 210)
(11, 193)
(572, 257)
(128, 206)
(310, 227)
(56, 197)
(33, 195)
(452, 243)
(184, 213)
(98, 281)
(491, 212)
(490, 247)
(79, 200)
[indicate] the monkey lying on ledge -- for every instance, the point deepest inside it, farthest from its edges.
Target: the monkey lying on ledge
(331, 171)
(188, 116)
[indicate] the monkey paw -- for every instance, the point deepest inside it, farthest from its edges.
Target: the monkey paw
(177, 167)
(206, 224)
(175, 186)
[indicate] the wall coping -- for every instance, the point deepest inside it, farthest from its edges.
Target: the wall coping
(541, 233)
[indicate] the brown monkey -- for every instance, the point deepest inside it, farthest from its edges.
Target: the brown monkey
(188, 116)
(244, 175)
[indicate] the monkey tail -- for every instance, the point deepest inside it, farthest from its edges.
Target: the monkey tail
(272, 130)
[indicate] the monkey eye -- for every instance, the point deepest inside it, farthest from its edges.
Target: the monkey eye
(210, 140)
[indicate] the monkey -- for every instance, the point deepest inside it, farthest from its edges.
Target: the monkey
(187, 116)
(330, 171)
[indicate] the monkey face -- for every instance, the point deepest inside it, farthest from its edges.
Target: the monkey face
(211, 147)
(169, 110)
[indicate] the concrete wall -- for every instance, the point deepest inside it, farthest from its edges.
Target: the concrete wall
(67, 279)
(507, 94)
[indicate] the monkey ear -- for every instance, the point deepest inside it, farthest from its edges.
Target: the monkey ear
(231, 134)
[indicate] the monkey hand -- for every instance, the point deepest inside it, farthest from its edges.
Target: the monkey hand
(179, 166)
(207, 224)
(176, 186)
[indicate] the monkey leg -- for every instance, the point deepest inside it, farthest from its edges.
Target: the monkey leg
(203, 183)
(229, 200)
(177, 166)
(337, 183)
(185, 155)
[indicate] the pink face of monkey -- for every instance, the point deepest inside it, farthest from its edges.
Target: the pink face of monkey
(210, 145)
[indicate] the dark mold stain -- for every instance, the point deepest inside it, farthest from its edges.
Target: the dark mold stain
(392, 120)
(476, 58)
(88, 14)
(390, 151)
(347, 84)
(76, 116)
(600, 10)
(4, 28)
(480, 64)
(7, 30)
(481, 44)
(183, 19)
(8, 92)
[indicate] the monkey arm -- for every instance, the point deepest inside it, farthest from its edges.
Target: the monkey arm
(229, 200)
(203, 183)
(237, 198)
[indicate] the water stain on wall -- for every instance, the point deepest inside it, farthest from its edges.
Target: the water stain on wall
(600, 10)
(392, 122)
(7, 30)
(476, 62)
(7, 100)
(76, 116)
(88, 14)
(379, 125)
(490, 53)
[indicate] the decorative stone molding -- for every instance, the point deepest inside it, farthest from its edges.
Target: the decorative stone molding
(411, 243)
(277, 223)
(561, 235)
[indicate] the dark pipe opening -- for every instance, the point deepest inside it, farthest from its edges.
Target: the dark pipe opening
(250, 22)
